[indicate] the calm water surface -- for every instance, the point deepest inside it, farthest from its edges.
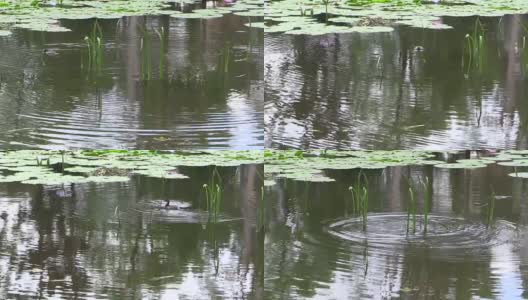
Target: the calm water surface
(400, 90)
(316, 249)
(207, 94)
(68, 241)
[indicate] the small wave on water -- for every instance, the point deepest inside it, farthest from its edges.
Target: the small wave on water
(446, 235)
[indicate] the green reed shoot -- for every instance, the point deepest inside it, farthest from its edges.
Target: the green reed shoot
(427, 199)
(261, 207)
(162, 35)
(62, 153)
(474, 48)
(213, 195)
(360, 198)
(413, 204)
(326, 3)
(491, 209)
(146, 59)
(227, 57)
(411, 210)
(523, 50)
(94, 44)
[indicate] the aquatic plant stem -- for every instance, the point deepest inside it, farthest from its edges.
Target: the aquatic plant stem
(411, 210)
(261, 208)
(162, 35)
(491, 208)
(94, 44)
(213, 194)
(427, 198)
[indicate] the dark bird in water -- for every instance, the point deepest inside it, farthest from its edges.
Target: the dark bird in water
(177, 205)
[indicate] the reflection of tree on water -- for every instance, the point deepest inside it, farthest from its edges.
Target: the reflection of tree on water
(69, 241)
(190, 90)
(403, 89)
(302, 260)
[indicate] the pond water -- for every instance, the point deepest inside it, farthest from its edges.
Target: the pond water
(118, 241)
(206, 93)
(316, 247)
(406, 89)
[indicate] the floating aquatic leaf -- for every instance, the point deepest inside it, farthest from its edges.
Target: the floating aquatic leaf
(460, 166)
(269, 182)
(160, 174)
(80, 169)
(256, 25)
(519, 175)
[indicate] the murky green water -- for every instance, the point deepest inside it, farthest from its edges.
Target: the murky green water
(207, 94)
(401, 90)
(316, 247)
(118, 241)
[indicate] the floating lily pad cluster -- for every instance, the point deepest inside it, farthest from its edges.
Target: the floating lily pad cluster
(53, 167)
(42, 16)
(315, 18)
(310, 165)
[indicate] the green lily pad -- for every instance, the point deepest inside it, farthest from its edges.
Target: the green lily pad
(519, 175)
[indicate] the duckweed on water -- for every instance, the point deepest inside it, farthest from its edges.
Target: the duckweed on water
(301, 17)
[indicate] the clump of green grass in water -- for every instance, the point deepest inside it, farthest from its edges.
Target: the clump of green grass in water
(474, 48)
(94, 44)
(359, 193)
(213, 195)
